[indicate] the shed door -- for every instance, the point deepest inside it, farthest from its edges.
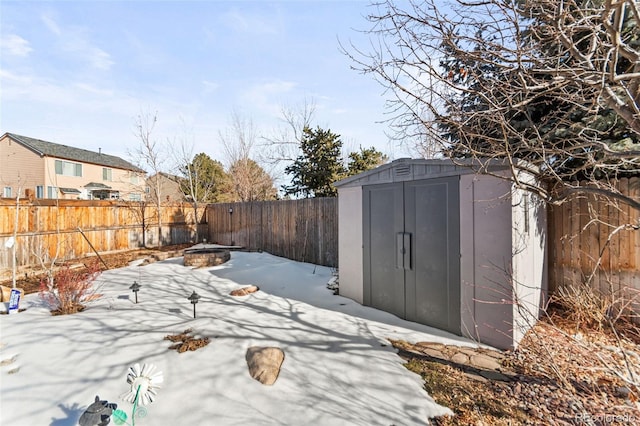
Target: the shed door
(383, 218)
(412, 250)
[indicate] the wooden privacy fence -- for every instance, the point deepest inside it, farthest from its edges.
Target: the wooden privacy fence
(303, 230)
(50, 229)
(588, 243)
(583, 233)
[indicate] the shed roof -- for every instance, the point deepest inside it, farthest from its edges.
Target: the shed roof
(408, 169)
(50, 149)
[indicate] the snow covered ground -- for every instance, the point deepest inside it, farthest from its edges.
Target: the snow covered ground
(339, 368)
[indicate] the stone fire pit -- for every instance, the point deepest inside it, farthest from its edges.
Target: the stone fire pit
(206, 256)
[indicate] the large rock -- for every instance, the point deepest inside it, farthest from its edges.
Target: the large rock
(244, 290)
(5, 293)
(264, 363)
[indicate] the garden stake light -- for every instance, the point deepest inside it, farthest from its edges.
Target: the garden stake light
(135, 287)
(194, 299)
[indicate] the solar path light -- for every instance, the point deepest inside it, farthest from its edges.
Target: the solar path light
(135, 287)
(194, 299)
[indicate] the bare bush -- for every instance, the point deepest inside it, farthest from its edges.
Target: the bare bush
(69, 289)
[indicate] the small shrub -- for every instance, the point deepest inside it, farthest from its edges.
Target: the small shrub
(67, 290)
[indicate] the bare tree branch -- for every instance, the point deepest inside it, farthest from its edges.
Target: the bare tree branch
(284, 144)
(550, 83)
(150, 155)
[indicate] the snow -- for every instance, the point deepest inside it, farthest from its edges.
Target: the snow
(339, 367)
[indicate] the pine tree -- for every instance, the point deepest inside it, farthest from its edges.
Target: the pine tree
(204, 179)
(365, 159)
(319, 165)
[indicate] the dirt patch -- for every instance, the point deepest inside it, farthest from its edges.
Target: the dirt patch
(184, 342)
(560, 374)
(30, 279)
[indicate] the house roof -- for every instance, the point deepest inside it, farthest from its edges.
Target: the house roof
(50, 149)
(166, 176)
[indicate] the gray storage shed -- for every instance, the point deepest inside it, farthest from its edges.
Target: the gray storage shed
(435, 242)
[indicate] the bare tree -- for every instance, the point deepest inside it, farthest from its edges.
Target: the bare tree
(284, 144)
(249, 180)
(199, 177)
(140, 211)
(149, 154)
(239, 138)
(550, 87)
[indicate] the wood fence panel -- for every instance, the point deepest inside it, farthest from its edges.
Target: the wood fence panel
(588, 236)
(304, 230)
(612, 274)
(49, 229)
(634, 245)
(607, 285)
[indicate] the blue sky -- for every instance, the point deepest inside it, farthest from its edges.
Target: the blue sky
(79, 73)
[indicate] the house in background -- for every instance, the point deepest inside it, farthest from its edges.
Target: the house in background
(44, 169)
(169, 188)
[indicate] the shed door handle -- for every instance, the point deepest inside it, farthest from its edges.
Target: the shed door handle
(403, 250)
(407, 250)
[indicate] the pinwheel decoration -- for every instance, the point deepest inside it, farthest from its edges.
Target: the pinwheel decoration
(144, 382)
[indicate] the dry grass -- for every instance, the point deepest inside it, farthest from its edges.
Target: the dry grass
(564, 373)
(473, 401)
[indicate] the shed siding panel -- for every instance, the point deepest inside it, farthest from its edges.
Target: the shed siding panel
(492, 266)
(350, 243)
(467, 258)
(529, 260)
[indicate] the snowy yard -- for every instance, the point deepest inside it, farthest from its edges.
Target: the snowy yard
(339, 367)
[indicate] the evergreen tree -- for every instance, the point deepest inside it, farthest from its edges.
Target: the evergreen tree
(204, 179)
(318, 166)
(547, 127)
(551, 82)
(365, 159)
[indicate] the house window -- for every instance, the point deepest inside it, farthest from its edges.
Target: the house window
(106, 174)
(39, 191)
(52, 192)
(67, 168)
(134, 179)
(135, 197)
(7, 192)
